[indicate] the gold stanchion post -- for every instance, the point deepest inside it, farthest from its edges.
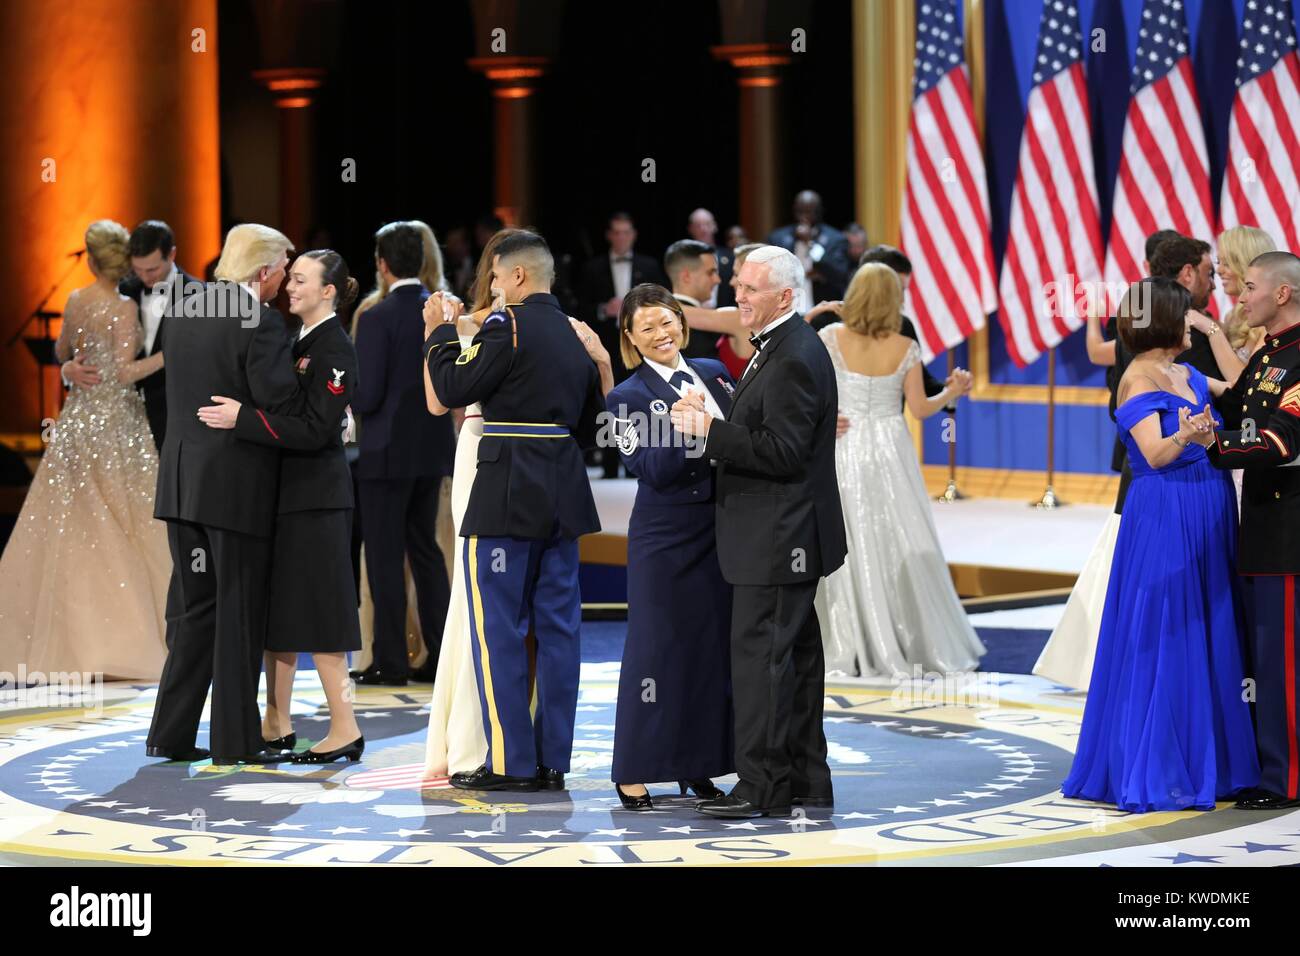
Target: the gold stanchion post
(1049, 499)
(952, 492)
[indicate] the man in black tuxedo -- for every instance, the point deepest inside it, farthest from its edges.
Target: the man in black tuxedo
(405, 454)
(218, 495)
(692, 269)
(702, 227)
(822, 250)
(605, 280)
(780, 529)
(158, 286)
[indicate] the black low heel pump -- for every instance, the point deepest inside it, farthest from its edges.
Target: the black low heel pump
(287, 742)
(350, 752)
(704, 789)
(642, 802)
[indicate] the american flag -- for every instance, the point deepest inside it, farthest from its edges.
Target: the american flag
(1054, 236)
(945, 222)
(1164, 171)
(1261, 180)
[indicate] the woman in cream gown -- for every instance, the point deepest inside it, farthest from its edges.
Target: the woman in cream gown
(83, 580)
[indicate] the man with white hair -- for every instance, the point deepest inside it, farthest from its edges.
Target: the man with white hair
(779, 530)
(1261, 435)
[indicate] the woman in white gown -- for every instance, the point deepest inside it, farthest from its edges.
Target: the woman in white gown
(891, 608)
(83, 580)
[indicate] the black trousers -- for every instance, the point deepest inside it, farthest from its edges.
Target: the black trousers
(778, 683)
(399, 519)
(216, 629)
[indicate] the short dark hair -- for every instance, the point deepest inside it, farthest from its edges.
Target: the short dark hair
(683, 252)
(1175, 252)
(890, 256)
(152, 235)
(854, 228)
(1157, 237)
(530, 244)
(1152, 314)
(401, 246)
(620, 216)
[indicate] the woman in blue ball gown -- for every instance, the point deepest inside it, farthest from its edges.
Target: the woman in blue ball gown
(1167, 725)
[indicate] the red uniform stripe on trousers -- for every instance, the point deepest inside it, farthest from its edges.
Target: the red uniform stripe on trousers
(1293, 770)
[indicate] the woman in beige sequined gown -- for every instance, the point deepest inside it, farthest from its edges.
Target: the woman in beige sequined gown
(83, 580)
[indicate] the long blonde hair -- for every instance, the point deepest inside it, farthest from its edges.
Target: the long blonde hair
(1237, 247)
(873, 303)
(249, 248)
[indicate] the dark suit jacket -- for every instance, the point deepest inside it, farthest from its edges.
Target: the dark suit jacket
(206, 475)
(833, 267)
(596, 286)
(314, 473)
(726, 269)
(399, 438)
(778, 518)
(154, 387)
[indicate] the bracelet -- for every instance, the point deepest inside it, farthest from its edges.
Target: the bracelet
(1176, 441)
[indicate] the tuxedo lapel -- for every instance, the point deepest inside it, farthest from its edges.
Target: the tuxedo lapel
(765, 354)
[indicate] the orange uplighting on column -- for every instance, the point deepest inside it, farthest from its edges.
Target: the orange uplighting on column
(514, 82)
(110, 111)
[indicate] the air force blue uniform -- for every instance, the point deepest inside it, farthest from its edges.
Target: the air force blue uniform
(679, 606)
(530, 501)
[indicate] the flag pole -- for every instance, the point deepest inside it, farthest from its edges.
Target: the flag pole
(951, 493)
(1049, 499)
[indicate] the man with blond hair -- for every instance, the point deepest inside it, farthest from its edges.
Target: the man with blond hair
(218, 497)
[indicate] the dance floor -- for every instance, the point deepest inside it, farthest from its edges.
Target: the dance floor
(926, 773)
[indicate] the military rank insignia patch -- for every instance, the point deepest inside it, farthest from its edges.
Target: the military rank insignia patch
(470, 353)
(336, 386)
(1291, 401)
(629, 438)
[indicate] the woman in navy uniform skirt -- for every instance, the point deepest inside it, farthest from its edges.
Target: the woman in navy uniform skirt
(674, 693)
(313, 591)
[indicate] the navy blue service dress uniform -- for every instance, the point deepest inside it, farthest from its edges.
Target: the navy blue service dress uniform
(530, 501)
(313, 591)
(1261, 435)
(680, 726)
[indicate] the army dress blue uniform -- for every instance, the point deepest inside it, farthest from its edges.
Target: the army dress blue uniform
(674, 719)
(1262, 436)
(313, 605)
(530, 501)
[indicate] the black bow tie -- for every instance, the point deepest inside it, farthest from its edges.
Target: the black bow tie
(679, 379)
(758, 341)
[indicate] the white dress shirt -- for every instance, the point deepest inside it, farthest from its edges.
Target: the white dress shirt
(665, 372)
(622, 273)
(765, 331)
(306, 330)
(153, 304)
(413, 280)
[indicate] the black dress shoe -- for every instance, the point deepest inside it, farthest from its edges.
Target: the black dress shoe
(1266, 800)
(188, 755)
(287, 742)
(737, 808)
(262, 756)
(642, 802)
(484, 779)
(373, 676)
(813, 800)
(704, 789)
(349, 752)
(548, 779)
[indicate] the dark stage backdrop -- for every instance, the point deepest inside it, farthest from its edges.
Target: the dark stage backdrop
(631, 81)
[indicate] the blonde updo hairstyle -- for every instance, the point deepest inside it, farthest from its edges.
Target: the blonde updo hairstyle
(1237, 247)
(873, 303)
(108, 245)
